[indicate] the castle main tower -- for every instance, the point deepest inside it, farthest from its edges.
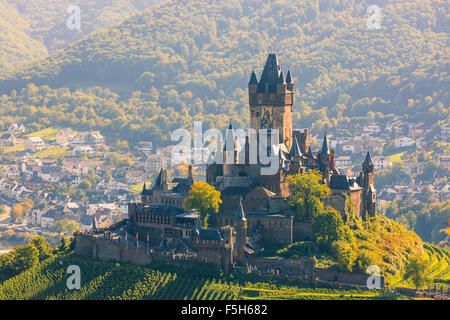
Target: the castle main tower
(271, 100)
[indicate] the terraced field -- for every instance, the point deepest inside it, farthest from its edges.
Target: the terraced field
(109, 280)
(439, 265)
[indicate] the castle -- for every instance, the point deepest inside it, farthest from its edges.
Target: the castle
(255, 211)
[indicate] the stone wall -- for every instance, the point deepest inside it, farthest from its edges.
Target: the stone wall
(351, 278)
(104, 249)
(303, 268)
(302, 231)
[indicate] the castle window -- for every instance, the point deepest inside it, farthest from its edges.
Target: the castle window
(272, 97)
(260, 98)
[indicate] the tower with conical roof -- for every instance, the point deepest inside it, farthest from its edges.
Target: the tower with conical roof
(368, 171)
(369, 192)
(271, 99)
(241, 233)
(324, 156)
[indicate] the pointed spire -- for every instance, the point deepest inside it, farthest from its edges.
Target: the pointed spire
(281, 78)
(270, 75)
(144, 189)
(232, 137)
(161, 181)
(368, 160)
(325, 145)
(295, 150)
(288, 77)
(240, 215)
(253, 79)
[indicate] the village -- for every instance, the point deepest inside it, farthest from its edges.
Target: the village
(59, 177)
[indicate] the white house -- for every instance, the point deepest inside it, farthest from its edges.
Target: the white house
(81, 151)
(64, 136)
(135, 176)
(381, 162)
(371, 129)
(403, 142)
(16, 128)
(34, 144)
(11, 170)
(343, 161)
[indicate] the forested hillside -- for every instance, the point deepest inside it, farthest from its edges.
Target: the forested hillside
(196, 57)
(31, 29)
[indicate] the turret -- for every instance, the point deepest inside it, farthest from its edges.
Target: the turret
(190, 178)
(161, 183)
(241, 233)
(281, 86)
(231, 147)
(289, 82)
(253, 83)
(324, 155)
(368, 171)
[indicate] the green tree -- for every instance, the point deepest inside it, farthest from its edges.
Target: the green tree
(44, 249)
(328, 226)
(23, 257)
(204, 198)
(307, 190)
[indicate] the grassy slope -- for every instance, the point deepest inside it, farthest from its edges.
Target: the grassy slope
(109, 280)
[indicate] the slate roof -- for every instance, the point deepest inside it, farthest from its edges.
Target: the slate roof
(163, 210)
(368, 160)
(208, 234)
(288, 77)
(324, 149)
(253, 79)
(295, 150)
(231, 191)
(260, 191)
(270, 75)
(342, 182)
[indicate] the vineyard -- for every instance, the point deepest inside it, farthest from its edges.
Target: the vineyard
(110, 280)
(439, 267)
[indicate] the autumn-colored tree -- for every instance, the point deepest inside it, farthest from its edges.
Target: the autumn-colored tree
(307, 190)
(204, 198)
(65, 226)
(17, 212)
